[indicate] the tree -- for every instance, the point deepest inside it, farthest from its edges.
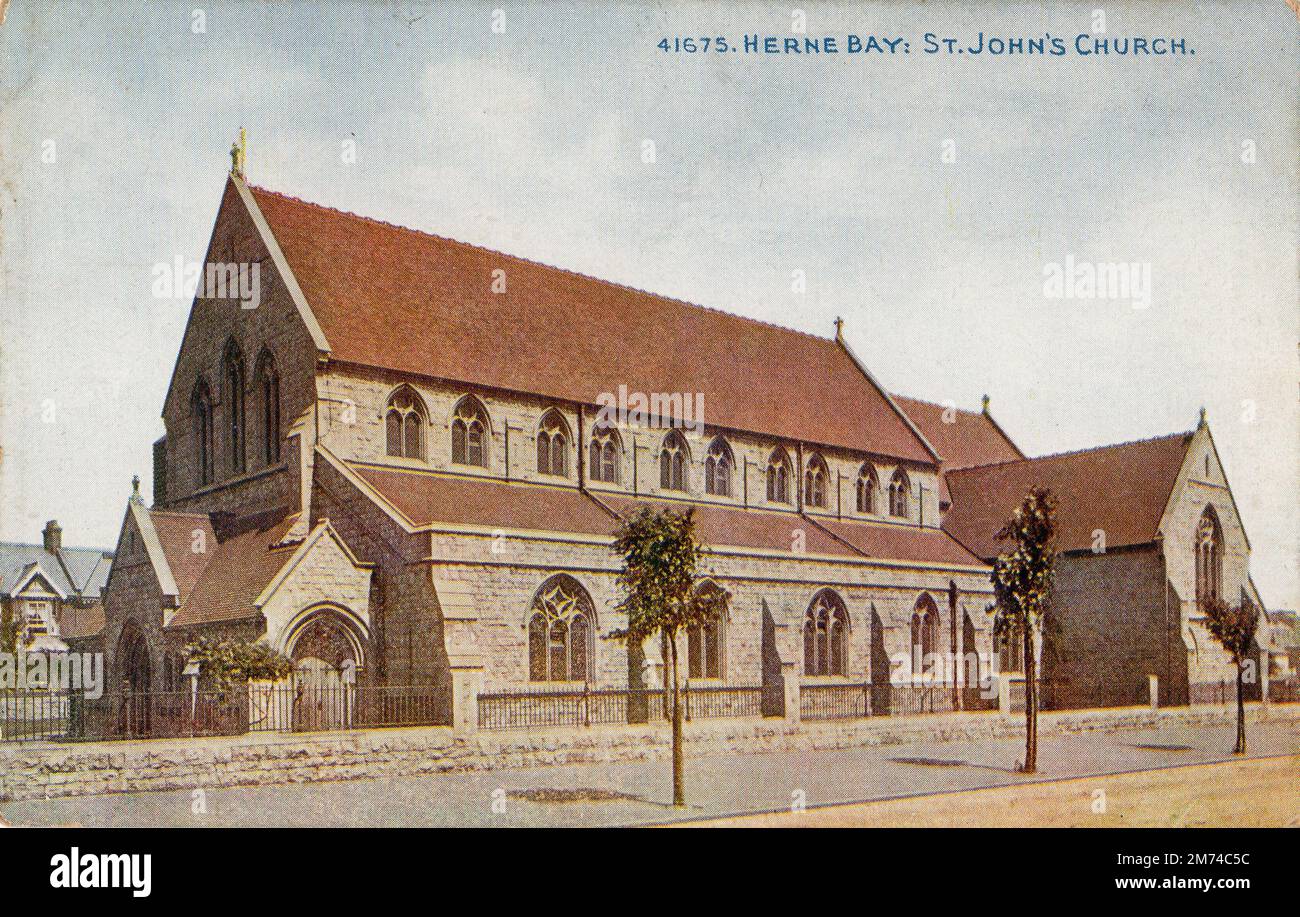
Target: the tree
(226, 662)
(1022, 584)
(1234, 626)
(660, 555)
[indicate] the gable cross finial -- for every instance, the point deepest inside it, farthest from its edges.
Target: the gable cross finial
(986, 404)
(135, 488)
(839, 328)
(237, 153)
(1201, 422)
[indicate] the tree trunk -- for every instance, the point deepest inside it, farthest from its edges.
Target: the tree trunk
(679, 756)
(1240, 747)
(1031, 703)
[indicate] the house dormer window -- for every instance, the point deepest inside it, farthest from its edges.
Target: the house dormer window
(469, 433)
(778, 476)
(866, 489)
(815, 478)
(719, 466)
(404, 422)
(899, 490)
(553, 445)
(673, 456)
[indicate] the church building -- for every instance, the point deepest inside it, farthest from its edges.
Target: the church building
(399, 468)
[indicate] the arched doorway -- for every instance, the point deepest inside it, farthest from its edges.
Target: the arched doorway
(136, 677)
(327, 655)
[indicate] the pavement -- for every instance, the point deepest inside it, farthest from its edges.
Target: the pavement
(639, 793)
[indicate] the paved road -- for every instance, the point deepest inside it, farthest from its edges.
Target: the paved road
(1254, 793)
(641, 791)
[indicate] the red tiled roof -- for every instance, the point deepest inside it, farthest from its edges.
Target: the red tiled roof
(910, 542)
(1121, 489)
(176, 533)
(241, 566)
(408, 301)
(972, 438)
(426, 498)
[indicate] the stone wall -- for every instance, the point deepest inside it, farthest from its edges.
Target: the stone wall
(40, 771)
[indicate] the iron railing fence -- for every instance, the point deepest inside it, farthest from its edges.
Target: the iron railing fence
(588, 706)
(66, 716)
(858, 700)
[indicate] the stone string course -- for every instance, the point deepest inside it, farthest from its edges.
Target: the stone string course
(36, 771)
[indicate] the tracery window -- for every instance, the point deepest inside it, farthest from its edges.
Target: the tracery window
(1209, 557)
(778, 477)
(553, 445)
(604, 454)
(469, 432)
(899, 491)
(404, 423)
(704, 641)
(815, 479)
(673, 457)
(719, 468)
(825, 635)
(560, 628)
(925, 635)
(866, 489)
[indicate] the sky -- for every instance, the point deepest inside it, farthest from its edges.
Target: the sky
(923, 196)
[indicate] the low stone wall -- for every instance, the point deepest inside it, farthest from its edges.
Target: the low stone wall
(34, 771)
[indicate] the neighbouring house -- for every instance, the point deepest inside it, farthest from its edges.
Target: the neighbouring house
(50, 593)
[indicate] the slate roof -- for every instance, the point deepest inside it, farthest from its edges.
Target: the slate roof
(84, 575)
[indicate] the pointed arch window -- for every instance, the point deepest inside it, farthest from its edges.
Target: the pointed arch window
(778, 476)
(719, 468)
(404, 423)
(704, 639)
(867, 486)
(673, 457)
(469, 433)
(900, 489)
(1209, 557)
(560, 628)
(234, 380)
(604, 454)
(268, 388)
(925, 635)
(825, 635)
(553, 445)
(201, 416)
(815, 480)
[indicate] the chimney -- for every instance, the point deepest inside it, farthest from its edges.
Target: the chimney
(53, 537)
